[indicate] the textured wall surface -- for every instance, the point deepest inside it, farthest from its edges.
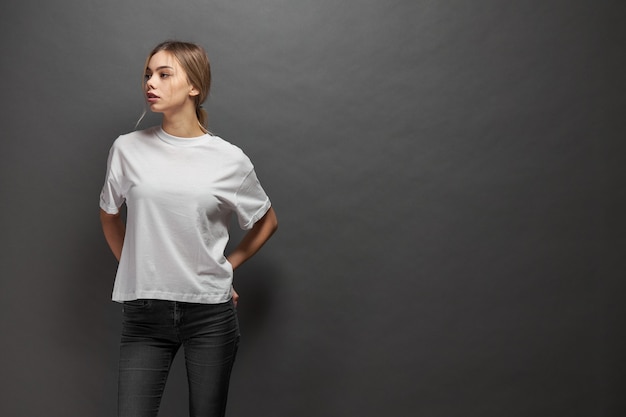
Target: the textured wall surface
(448, 177)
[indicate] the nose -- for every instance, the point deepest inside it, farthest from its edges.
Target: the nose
(149, 81)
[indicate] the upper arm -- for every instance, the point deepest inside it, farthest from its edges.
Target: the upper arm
(104, 216)
(269, 219)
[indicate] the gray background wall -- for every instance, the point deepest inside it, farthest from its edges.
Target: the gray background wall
(448, 177)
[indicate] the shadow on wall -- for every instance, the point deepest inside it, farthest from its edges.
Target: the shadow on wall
(257, 283)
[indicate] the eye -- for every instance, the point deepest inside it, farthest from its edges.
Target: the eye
(164, 75)
(147, 77)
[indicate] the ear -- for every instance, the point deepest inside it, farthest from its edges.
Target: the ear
(194, 91)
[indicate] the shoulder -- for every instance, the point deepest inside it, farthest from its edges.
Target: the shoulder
(232, 152)
(225, 146)
(135, 137)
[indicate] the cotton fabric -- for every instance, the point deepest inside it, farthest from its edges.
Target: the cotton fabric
(180, 195)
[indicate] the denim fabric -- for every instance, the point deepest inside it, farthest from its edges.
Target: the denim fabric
(152, 333)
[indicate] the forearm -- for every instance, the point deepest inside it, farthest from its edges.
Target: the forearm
(114, 232)
(254, 239)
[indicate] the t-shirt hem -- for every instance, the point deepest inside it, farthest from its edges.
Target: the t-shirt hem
(183, 298)
(258, 215)
(109, 209)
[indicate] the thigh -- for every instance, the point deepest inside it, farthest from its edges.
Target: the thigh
(147, 350)
(210, 344)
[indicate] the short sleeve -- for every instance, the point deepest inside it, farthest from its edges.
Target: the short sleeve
(251, 201)
(111, 198)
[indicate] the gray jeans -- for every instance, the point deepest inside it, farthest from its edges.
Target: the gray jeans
(152, 333)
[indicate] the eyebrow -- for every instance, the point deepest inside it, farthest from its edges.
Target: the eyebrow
(161, 67)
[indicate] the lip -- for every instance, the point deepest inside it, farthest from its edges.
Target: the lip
(151, 97)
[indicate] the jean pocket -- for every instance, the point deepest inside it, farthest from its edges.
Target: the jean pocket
(135, 305)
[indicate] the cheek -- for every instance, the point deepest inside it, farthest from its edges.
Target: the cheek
(180, 90)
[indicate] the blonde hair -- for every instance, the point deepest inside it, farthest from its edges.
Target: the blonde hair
(195, 62)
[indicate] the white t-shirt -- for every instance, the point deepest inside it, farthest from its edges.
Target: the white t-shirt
(180, 194)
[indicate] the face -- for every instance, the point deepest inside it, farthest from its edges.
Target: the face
(167, 88)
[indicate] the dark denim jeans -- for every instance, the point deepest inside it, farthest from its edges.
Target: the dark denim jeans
(152, 333)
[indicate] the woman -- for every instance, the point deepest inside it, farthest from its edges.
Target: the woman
(180, 185)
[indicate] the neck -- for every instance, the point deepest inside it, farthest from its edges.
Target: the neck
(183, 127)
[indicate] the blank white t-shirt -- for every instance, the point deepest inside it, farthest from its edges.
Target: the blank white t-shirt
(180, 194)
